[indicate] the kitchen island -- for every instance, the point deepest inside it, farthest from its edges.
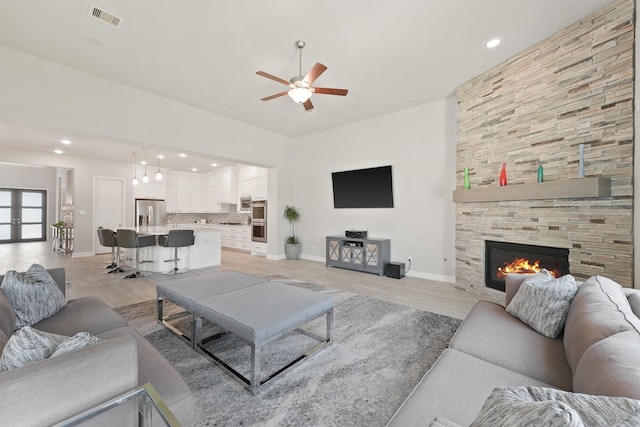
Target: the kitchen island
(205, 252)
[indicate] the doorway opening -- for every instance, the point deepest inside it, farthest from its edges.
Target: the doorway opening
(23, 215)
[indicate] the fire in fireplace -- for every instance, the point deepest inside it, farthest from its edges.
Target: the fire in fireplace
(502, 258)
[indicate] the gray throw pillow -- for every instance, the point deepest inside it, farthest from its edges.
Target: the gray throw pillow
(508, 407)
(34, 295)
(542, 302)
(27, 346)
(76, 342)
(504, 405)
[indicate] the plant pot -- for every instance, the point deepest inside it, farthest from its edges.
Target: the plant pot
(292, 250)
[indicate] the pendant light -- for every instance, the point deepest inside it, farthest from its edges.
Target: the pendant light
(145, 177)
(158, 173)
(134, 181)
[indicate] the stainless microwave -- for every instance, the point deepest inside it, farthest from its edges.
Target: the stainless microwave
(245, 203)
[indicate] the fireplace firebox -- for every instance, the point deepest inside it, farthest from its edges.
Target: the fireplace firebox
(502, 258)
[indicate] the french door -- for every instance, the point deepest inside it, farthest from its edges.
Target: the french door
(23, 215)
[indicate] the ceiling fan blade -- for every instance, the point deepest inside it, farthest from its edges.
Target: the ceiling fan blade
(315, 72)
(307, 105)
(277, 95)
(272, 77)
(330, 91)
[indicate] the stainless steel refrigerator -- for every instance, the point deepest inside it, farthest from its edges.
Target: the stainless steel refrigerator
(150, 212)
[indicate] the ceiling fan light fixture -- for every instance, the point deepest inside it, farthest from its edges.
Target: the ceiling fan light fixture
(300, 94)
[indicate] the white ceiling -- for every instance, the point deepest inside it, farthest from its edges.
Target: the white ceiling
(391, 55)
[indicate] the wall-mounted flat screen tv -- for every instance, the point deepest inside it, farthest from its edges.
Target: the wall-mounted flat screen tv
(363, 188)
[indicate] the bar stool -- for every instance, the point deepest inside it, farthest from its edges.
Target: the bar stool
(107, 238)
(176, 239)
(132, 240)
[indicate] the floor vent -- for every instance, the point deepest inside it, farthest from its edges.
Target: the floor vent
(104, 16)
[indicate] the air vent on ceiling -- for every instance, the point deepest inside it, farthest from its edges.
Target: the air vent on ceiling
(104, 16)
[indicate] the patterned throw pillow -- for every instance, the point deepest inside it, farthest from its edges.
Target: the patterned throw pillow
(27, 346)
(542, 302)
(542, 406)
(76, 342)
(507, 407)
(34, 295)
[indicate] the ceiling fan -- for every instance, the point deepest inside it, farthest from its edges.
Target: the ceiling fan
(300, 89)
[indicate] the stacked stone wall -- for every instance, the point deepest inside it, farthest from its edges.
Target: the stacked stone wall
(577, 87)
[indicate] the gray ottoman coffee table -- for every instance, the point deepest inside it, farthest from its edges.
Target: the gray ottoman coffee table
(249, 307)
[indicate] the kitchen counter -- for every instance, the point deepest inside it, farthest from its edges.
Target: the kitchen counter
(234, 236)
(164, 229)
(205, 252)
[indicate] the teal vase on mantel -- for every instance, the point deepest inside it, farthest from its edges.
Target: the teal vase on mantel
(467, 183)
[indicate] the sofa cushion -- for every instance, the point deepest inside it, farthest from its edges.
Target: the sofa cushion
(490, 333)
(34, 295)
(27, 346)
(599, 309)
(441, 422)
(611, 367)
(550, 407)
(542, 302)
(48, 392)
(455, 389)
(155, 369)
(85, 314)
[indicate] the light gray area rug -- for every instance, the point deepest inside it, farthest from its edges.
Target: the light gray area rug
(379, 353)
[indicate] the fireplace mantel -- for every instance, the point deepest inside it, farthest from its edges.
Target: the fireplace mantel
(579, 188)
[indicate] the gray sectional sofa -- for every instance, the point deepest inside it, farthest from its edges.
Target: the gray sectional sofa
(598, 354)
(55, 389)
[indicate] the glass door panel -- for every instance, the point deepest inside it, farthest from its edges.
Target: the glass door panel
(22, 215)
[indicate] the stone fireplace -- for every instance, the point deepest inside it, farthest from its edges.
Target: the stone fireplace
(536, 109)
(502, 258)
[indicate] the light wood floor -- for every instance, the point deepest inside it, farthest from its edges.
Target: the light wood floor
(86, 276)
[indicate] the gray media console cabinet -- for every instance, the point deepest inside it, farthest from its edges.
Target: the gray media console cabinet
(369, 255)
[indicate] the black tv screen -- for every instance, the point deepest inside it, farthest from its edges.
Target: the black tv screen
(363, 188)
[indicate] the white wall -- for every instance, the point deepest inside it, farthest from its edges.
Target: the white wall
(419, 143)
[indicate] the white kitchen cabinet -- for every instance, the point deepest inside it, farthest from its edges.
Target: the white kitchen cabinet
(150, 190)
(182, 179)
(252, 180)
(182, 198)
(236, 237)
(172, 198)
(210, 197)
(227, 184)
(184, 192)
(195, 199)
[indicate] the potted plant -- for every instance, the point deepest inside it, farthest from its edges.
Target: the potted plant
(292, 246)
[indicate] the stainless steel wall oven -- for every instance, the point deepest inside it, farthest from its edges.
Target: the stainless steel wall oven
(259, 221)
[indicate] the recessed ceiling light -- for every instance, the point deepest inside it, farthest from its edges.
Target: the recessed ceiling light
(94, 40)
(194, 169)
(214, 164)
(183, 155)
(58, 151)
(493, 43)
(143, 162)
(66, 142)
(161, 156)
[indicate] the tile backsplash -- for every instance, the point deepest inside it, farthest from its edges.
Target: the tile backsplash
(211, 218)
